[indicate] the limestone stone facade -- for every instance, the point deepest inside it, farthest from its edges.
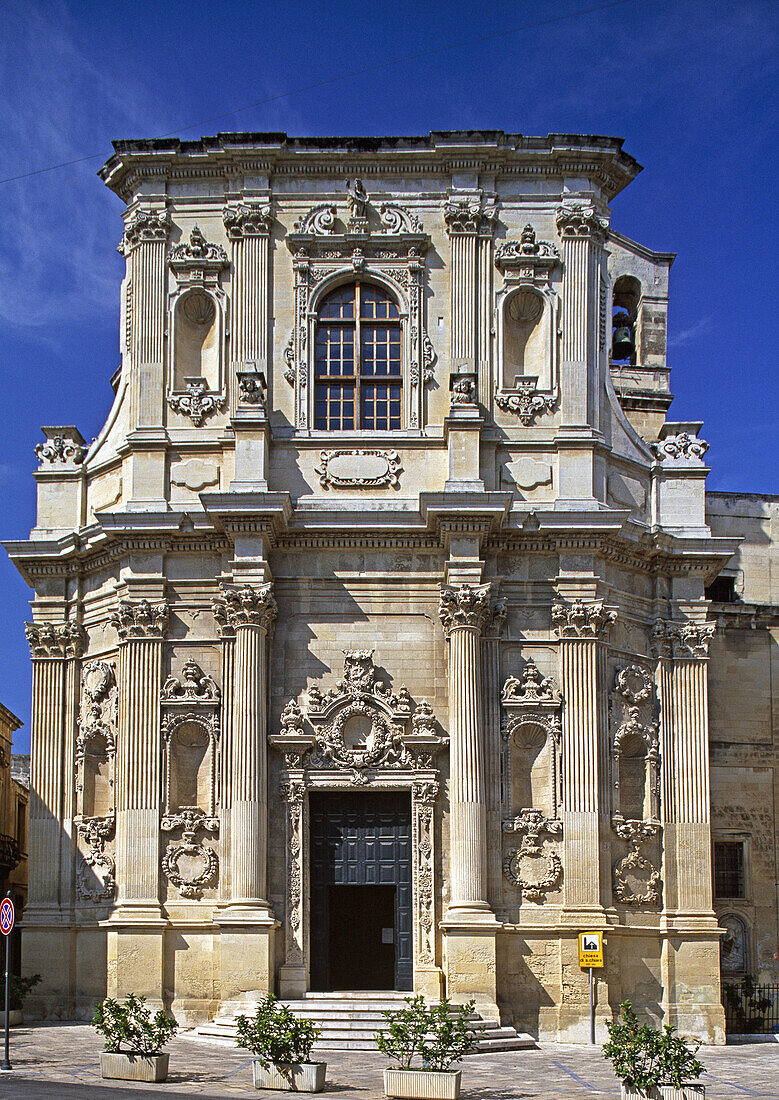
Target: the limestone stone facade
(379, 603)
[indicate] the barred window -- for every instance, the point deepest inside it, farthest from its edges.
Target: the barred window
(729, 869)
(357, 360)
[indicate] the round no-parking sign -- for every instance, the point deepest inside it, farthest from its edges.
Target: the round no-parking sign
(6, 916)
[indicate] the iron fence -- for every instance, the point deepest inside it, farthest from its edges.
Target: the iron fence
(751, 1009)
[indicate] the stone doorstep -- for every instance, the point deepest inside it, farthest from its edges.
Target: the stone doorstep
(350, 1022)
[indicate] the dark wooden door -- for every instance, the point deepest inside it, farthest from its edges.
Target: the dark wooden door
(361, 890)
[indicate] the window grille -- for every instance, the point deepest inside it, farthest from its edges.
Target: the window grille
(729, 869)
(357, 360)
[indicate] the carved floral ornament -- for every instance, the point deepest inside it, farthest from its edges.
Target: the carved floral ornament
(243, 605)
(60, 450)
(197, 257)
(582, 620)
(247, 219)
(47, 640)
(99, 707)
(198, 402)
(682, 640)
(464, 606)
(632, 708)
(469, 214)
(145, 226)
(679, 446)
(96, 874)
(526, 403)
(140, 620)
(322, 734)
(528, 259)
(192, 686)
(531, 689)
(581, 220)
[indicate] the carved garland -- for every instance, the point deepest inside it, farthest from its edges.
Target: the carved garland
(96, 875)
(635, 868)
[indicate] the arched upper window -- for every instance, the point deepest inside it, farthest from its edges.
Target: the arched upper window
(358, 367)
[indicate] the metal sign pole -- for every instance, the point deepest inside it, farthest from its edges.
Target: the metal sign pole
(6, 1060)
(592, 1007)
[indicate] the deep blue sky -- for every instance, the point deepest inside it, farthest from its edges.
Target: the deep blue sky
(691, 86)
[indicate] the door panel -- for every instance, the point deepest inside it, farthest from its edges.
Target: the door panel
(360, 839)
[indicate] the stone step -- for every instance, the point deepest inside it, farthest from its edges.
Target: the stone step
(350, 1022)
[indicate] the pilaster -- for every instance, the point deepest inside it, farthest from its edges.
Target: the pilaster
(55, 649)
(470, 926)
(246, 922)
(692, 995)
(469, 223)
(144, 246)
(135, 942)
(249, 225)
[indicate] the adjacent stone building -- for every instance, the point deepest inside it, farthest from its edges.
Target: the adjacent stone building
(371, 642)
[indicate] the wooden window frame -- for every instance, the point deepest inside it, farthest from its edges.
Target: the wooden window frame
(358, 379)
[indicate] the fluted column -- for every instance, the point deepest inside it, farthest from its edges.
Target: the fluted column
(248, 226)
(463, 612)
(581, 628)
(490, 711)
(691, 978)
(54, 648)
(250, 612)
(143, 245)
(582, 231)
(141, 627)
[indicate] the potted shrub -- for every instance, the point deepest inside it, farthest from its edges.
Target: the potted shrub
(130, 1025)
(436, 1036)
(652, 1064)
(18, 988)
(281, 1044)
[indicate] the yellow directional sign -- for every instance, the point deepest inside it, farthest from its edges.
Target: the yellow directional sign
(590, 949)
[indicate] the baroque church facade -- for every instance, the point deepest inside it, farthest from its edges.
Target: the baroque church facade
(373, 639)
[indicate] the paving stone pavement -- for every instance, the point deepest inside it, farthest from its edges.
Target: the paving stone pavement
(61, 1060)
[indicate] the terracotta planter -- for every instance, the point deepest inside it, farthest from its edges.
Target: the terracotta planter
(134, 1067)
(16, 1017)
(290, 1076)
(422, 1084)
(665, 1092)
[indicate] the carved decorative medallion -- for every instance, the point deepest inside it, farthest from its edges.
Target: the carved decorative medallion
(534, 871)
(636, 881)
(190, 865)
(359, 469)
(96, 874)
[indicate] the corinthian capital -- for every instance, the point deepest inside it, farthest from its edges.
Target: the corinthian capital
(468, 605)
(582, 620)
(247, 219)
(682, 640)
(580, 220)
(469, 215)
(145, 225)
(139, 619)
(55, 639)
(243, 606)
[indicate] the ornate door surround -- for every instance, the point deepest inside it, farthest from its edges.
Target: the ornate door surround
(361, 735)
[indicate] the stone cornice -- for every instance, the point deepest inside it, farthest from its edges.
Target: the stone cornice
(582, 621)
(599, 158)
(464, 606)
(50, 640)
(139, 620)
(243, 605)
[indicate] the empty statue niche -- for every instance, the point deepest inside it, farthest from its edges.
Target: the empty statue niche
(625, 320)
(190, 764)
(524, 342)
(635, 802)
(533, 769)
(96, 781)
(196, 326)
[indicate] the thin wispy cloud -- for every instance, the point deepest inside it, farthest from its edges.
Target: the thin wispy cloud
(691, 334)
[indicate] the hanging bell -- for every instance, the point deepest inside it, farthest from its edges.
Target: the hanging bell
(623, 345)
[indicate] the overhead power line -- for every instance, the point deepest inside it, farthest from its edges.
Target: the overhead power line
(472, 40)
